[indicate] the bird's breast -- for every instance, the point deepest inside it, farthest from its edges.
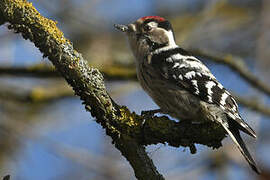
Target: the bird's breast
(171, 99)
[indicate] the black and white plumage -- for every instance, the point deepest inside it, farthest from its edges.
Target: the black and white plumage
(180, 84)
(191, 74)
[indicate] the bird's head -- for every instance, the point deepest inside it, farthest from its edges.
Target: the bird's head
(148, 34)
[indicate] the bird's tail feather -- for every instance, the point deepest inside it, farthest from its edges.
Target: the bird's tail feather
(235, 135)
(243, 126)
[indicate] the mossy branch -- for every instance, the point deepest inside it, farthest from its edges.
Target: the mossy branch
(125, 128)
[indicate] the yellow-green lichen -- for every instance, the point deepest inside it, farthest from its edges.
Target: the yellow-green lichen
(37, 94)
(128, 118)
(41, 67)
(160, 124)
(33, 18)
(124, 72)
(114, 130)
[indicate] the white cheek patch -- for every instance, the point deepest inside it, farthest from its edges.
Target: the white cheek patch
(170, 36)
(152, 24)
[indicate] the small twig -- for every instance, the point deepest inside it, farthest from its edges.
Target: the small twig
(253, 104)
(39, 70)
(110, 72)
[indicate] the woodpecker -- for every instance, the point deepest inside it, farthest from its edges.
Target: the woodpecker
(179, 83)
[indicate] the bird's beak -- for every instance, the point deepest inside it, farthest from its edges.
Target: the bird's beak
(123, 28)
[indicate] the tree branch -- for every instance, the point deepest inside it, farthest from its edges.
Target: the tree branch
(112, 72)
(123, 127)
(39, 70)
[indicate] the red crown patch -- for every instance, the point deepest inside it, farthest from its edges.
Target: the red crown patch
(158, 18)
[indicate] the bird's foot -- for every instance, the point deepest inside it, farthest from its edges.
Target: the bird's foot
(149, 114)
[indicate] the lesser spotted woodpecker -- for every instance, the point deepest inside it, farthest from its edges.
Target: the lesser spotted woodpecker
(179, 83)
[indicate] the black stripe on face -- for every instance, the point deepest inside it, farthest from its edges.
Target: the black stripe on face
(149, 20)
(156, 46)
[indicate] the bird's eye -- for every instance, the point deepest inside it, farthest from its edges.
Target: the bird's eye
(147, 28)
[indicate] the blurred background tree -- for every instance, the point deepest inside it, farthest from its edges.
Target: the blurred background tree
(45, 131)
